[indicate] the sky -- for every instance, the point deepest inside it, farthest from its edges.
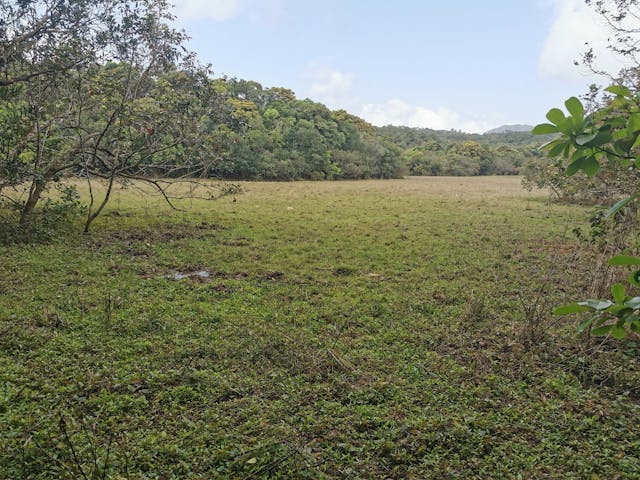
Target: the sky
(467, 65)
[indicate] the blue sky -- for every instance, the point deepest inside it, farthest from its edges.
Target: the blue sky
(465, 64)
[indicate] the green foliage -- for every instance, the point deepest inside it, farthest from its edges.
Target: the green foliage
(605, 139)
(83, 91)
(268, 134)
(617, 317)
(58, 215)
(430, 152)
(112, 95)
(602, 144)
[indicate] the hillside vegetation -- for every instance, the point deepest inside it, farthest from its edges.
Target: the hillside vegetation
(438, 152)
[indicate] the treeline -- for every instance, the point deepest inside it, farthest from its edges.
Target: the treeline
(269, 134)
(431, 152)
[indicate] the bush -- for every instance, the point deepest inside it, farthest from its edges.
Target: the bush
(56, 216)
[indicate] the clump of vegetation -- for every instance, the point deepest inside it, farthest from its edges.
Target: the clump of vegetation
(604, 144)
(58, 215)
(608, 136)
(431, 152)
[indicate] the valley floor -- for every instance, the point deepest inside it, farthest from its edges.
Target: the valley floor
(360, 330)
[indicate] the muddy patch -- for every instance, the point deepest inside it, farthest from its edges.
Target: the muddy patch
(272, 276)
(202, 274)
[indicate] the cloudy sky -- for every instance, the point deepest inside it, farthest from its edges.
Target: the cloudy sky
(463, 64)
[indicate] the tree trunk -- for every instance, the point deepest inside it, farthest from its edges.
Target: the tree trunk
(35, 192)
(91, 216)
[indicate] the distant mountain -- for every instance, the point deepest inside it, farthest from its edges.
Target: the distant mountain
(510, 128)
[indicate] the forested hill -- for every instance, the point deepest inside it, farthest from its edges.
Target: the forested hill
(110, 110)
(269, 134)
(441, 152)
(252, 132)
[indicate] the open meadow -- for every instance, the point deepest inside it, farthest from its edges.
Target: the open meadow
(323, 330)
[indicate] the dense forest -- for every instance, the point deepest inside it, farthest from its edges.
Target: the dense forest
(269, 134)
(245, 131)
(257, 133)
(431, 152)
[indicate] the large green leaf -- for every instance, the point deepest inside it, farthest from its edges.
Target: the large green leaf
(618, 292)
(617, 207)
(618, 103)
(575, 108)
(574, 167)
(618, 332)
(572, 308)
(633, 124)
(585, 323)
(586, 138)
(602, 138)
(634, 303)
(624, 260)
(557, 148)
(556, 116)
(601, 331)
(597, 304)
(588, 165)
(579, 153)
(619, 310)
(618, 90)
(619, 121)
(567, 127)
(623, 145)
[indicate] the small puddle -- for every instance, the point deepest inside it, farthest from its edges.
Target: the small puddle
(182, 276)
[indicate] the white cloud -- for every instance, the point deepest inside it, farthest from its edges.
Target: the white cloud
(334, 82)
(574, 25)
(218, 10)
(336, 89)
(330, 86)
(399, 112)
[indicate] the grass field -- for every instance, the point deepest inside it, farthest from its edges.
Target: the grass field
(360, 330)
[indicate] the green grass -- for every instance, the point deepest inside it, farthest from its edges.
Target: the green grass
(346, 330)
